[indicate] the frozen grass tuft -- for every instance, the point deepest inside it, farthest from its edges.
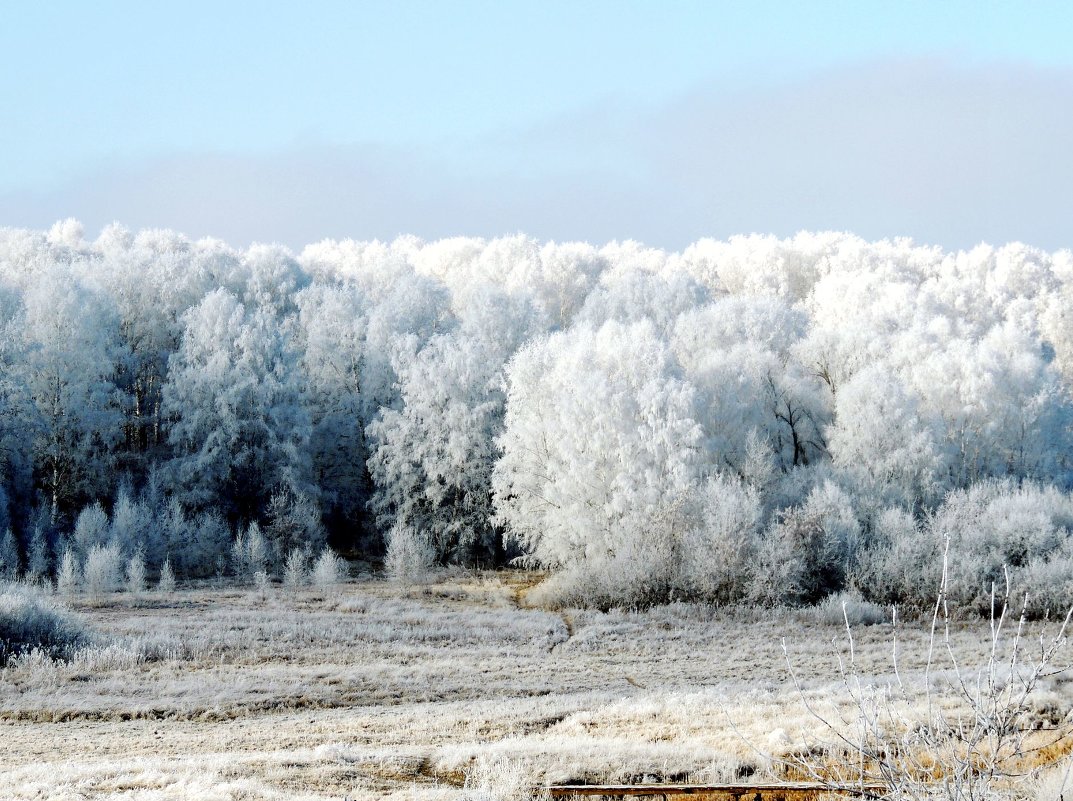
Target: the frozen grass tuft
(836, 609)
(499, 780)
(1054, 783)
(30, 621)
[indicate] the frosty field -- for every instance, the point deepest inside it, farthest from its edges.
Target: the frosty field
(397, 691)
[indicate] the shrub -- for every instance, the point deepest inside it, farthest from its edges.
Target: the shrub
(498, 780)
(410, 556)
(263, 583)
(136, 574)
(101, 571)
(294, 522)
(806, 554)
(9, 557)
(67, 578)
(167, 578)
(843, 607)
(328, 570)
(249, 554)
(700, 546)
(717, 554)
(898, 565)
(294, 571)
(91, 528)
(29, 621)
(992, 527)
(972, 734)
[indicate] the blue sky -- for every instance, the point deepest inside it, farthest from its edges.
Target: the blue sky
(945, 121)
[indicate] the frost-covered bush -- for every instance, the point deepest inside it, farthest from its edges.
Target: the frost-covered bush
(701, 548)
(262, 584)
(843, 607)
(295, 573)
(717, 559)
(499, 780)
(249, 554)
(68, 576)
(328, 571)
(166, 582)
(809, 551)
(294, 523)
(409, 556)
(991, 529)
(29, 620)
(135, 574)
(899, 563)
(102, 569)
(10, 562)
(996, 526)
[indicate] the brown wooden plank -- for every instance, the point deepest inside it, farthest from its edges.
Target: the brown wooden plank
(750, 791)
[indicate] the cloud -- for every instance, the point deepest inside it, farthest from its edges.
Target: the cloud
(944, 153)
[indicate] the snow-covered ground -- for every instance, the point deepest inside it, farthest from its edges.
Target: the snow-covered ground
(385, 690)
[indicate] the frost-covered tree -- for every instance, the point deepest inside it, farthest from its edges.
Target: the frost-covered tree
(433, 457)
(17, 416)
(632, 295)
(134, 527)
(239, 429)
(67, 577)
(91, 530)
(295, 570)
(70, 359)
(408, 314)
(328, 571)
(883, 442)
(249, 553)
(38, 562)
(294, 522)
(101, 571)
(135, 575)
(331, 331)
(153, 277)
(600, 444)
(739, 353)
(10, 560)
(1002, 407)
(166, 582)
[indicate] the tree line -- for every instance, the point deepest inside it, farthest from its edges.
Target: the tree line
(757, 420)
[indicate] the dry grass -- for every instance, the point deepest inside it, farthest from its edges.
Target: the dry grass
(390, 691)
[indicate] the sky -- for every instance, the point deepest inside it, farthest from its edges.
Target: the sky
(949, 122)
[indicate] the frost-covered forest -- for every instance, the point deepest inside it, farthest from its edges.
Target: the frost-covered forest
(759, 420)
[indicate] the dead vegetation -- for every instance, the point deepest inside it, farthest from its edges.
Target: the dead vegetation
(393, 691)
